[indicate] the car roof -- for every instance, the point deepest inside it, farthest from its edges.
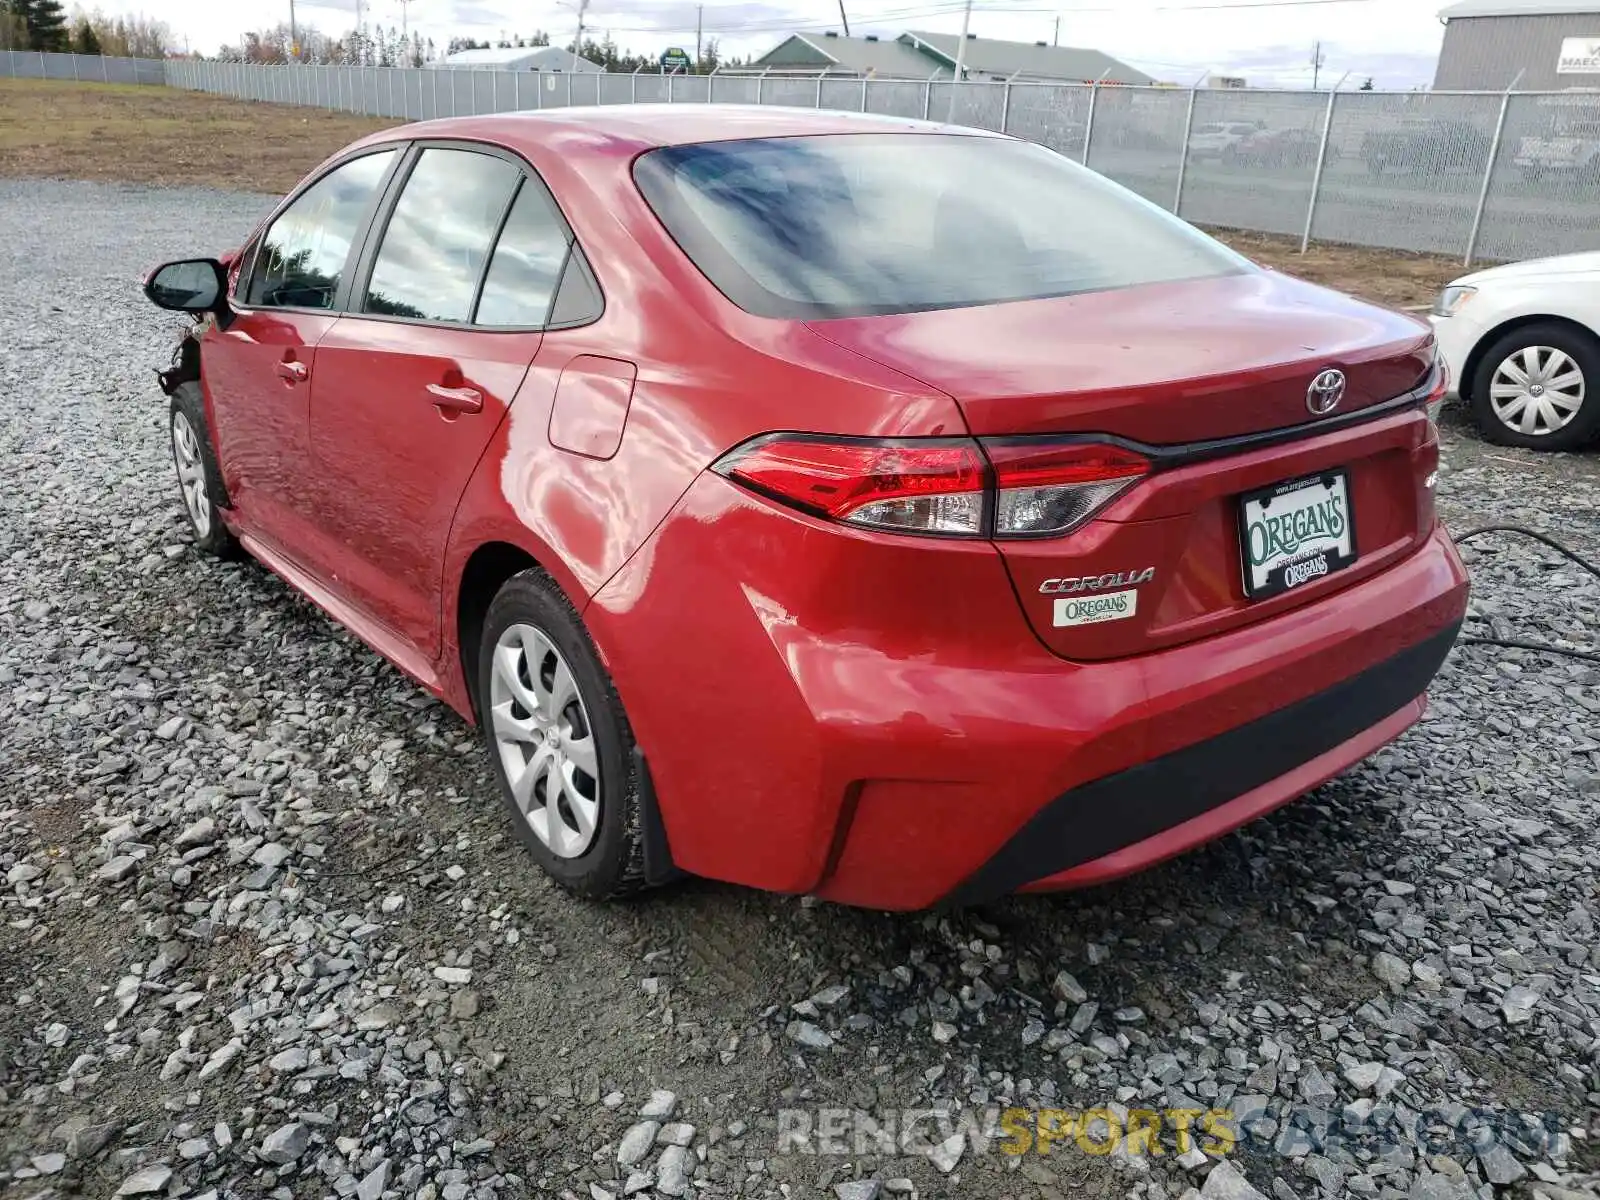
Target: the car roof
(629, 129)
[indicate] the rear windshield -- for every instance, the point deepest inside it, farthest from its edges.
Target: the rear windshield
(864, 224)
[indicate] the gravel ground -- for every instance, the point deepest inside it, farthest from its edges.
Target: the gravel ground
(266, 932)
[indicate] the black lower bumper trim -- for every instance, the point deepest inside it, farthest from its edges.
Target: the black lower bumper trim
(1115, 811)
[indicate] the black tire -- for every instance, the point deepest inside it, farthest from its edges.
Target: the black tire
(188, 411)
(1580, 346)
(613, 865)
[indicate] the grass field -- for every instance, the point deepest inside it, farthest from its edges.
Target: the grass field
(155, 135)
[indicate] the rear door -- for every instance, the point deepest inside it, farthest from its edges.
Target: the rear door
(258, 370)
(452, 297)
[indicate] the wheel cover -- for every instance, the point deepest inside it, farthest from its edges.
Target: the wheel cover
(1537, 390)
(191, 473)
(546, 745)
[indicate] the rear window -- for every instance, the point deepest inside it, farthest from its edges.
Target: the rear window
(866, 224)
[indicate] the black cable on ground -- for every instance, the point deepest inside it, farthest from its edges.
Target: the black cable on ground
(1513, 643)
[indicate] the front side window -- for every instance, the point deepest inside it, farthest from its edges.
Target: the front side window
(845, 225)
(437, 241)
(302, 257)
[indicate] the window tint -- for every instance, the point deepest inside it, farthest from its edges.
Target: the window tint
(438, 237)
(527, 262)
(302, 256)
(851, 225)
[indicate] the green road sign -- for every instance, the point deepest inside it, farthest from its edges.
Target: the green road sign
(674, 59)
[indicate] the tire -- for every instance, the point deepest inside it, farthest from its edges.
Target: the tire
(199, 479)
(531, 627)
(1553, 427)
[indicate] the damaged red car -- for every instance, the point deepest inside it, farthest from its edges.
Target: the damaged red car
(886, 511)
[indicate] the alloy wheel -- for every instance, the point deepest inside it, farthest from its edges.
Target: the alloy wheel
(191, 473)
(545, 741)
(1537, 390)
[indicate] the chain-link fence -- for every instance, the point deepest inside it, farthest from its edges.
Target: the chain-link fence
(35, 64)
(1481, 175)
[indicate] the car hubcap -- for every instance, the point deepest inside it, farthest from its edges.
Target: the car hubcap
(191, 473)
(1537, 390)
(546, 745)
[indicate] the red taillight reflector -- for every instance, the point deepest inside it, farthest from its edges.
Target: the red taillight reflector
(926, 485)
(1050, 488)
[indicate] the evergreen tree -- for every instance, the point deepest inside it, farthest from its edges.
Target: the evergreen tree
(46, 22)
(84, 39)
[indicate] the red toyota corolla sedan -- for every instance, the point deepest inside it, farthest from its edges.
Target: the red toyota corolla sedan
(833, 504)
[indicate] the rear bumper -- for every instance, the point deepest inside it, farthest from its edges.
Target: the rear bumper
(870, 719)
(1133, 819)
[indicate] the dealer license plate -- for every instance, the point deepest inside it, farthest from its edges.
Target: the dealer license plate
(1294, 533)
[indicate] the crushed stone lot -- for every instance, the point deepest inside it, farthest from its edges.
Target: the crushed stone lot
(266, 931)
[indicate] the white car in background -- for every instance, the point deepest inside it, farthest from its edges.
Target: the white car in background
(1523, 345)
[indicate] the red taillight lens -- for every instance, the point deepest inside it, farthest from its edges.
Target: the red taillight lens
(1047, 489)
(925, 485)
(1436, 394)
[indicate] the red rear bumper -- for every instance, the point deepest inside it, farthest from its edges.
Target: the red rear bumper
(881, 728)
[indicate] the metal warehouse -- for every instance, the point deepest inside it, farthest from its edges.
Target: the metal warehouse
(1531, 45)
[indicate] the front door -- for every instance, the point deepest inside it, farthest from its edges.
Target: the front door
(258, 370)
(411, 385)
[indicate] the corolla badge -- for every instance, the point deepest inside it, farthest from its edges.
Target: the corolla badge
(1325, 391)
(1096, 583)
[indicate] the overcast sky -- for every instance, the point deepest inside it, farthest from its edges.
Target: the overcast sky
(1268, 41)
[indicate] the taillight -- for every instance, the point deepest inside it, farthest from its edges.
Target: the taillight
(920, 485)
(1047, 489)
(948, 486)
(1434, 402)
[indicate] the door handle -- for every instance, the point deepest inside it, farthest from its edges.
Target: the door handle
(455, 399)
(293, 372)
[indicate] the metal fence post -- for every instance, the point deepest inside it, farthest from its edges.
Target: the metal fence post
(927, 98)
(820, 74)
(863, 93)
(516, 91)
(104, 77)
(760, 79)
(1005, 106)
(633, 87)
(1488, 174)
(669, 87)
(569, 89)
(1088, 123)
(1183, 161)
(1316, 175)
(75, 68)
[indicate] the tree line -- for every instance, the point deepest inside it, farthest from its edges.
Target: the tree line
(44, 25)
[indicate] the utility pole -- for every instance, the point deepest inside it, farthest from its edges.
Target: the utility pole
(583, 7)
(294, 36)
(699, 13)
(1055, 38)
(1316, 63)
(405, 13)
(844, 19)
(961, 47)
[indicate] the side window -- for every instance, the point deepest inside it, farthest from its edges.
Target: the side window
(527, 262)
(302, 256)
(438, 238)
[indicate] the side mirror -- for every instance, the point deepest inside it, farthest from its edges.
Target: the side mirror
(196, 285)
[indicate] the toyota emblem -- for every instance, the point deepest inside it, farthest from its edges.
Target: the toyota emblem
(1325, 392)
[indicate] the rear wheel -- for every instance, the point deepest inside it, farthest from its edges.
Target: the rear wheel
(560, 741)
(199, 480)
(1535, 387)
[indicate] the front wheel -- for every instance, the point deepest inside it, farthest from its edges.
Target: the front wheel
(1535, 388)
(560, 742)
(199, 479)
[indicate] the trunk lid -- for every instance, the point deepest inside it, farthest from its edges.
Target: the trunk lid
(1171, 366)
(1164, 363)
